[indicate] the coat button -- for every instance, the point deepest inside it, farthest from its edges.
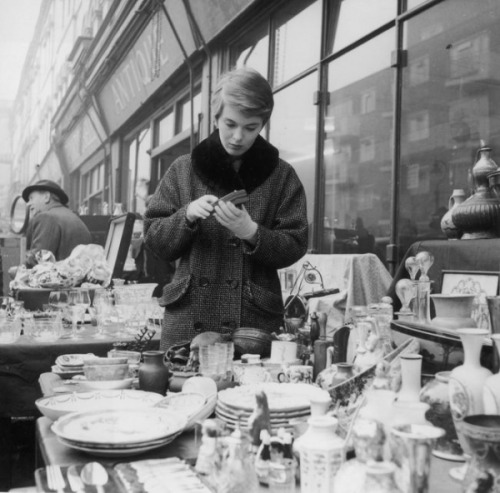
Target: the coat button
(232, 283)
(204, 281)
(234, 241)
(198, 326)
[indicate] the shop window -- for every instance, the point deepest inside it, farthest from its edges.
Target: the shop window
(252, 50)
(367, 149)
(297, 39)
(418, 126)
(367, 101)
(184, 113)
(94, 191)
(293, 131)
(447, 117)
(357, 193)
(350, 20)
(139, 171)
(419, 70)
(165, 128)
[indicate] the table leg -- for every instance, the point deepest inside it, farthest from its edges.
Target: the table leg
(5, 453)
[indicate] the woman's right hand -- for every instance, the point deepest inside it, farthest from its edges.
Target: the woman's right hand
(200, 208)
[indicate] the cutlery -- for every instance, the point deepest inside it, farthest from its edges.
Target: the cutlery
(94, 474)
(55, 478)
(74, 480)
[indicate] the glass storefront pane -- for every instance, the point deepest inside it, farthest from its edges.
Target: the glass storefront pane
(139, 173)
(252, 51)
(185, 116)
(297, 40)
(293, 132)
(165, 128)
(350, 20)
(358, 150)
(451, 94)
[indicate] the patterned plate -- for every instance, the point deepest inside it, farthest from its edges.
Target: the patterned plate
(185, 403)
(126, 426)
(281, 397)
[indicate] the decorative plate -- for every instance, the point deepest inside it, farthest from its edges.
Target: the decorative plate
(120, 452)
(185, 403)
(67, 361)
(126, 426)
(201, 385)
(280, 396)
(58, 405)
(125, 383)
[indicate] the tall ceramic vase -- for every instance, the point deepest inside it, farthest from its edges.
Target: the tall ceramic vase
(491, 390)
(411, 372)
(467, 381)
(321, 455)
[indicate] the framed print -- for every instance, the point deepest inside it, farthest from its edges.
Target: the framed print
(118, 242)
(481, 284)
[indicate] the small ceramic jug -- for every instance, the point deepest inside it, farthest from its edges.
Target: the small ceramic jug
(447, 225)
(153, 374)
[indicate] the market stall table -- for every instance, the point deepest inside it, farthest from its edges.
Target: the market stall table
(21, 365)
(52, 451)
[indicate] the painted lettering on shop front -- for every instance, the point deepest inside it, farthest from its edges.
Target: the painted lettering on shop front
(137, 72)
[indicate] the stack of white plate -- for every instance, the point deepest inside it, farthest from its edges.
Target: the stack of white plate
(119, 432)
(286, 401)
(69, 365)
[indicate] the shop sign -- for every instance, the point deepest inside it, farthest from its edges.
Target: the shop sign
(150, 61)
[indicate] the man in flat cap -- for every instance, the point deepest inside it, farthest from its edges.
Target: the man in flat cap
(52, 225)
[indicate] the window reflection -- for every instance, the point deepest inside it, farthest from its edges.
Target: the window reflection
(297, 40)
(450, 93)
(252, 52)
(350, 20)
(357, 150)
(139, 171)
(293, 132)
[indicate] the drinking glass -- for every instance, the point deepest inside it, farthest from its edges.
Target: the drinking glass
(103, 306)
(78, 302)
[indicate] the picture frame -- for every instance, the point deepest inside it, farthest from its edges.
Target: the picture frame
(118, 242)
(479, 283)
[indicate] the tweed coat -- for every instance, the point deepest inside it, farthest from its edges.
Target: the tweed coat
(222, 283)
(57, 229)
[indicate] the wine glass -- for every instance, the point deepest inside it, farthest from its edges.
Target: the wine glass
(412, 266)
(425, 260)
(78, 302)
(103, 306)
(405, 289)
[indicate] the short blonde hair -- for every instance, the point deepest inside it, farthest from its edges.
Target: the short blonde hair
(245, 89)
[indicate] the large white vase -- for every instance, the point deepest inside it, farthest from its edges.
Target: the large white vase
(467, 381)
(491, 390)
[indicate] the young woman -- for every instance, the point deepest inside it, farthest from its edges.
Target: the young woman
(228, 255)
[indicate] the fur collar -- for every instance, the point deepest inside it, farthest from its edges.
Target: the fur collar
(213, 166)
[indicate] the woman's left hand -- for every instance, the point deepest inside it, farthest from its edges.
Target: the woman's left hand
(238, 221)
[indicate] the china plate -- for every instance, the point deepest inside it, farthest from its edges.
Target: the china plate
(120, 452)
(281, 397)
(185, 403)
(58, 405)
(201, 385)
(123, 427)
(125, 383)
(67, 361)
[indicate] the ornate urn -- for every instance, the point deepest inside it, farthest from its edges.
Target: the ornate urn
(479, 216)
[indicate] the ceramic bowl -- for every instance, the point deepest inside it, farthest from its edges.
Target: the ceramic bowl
(105, 372)
(252, 340)
(453, 311)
